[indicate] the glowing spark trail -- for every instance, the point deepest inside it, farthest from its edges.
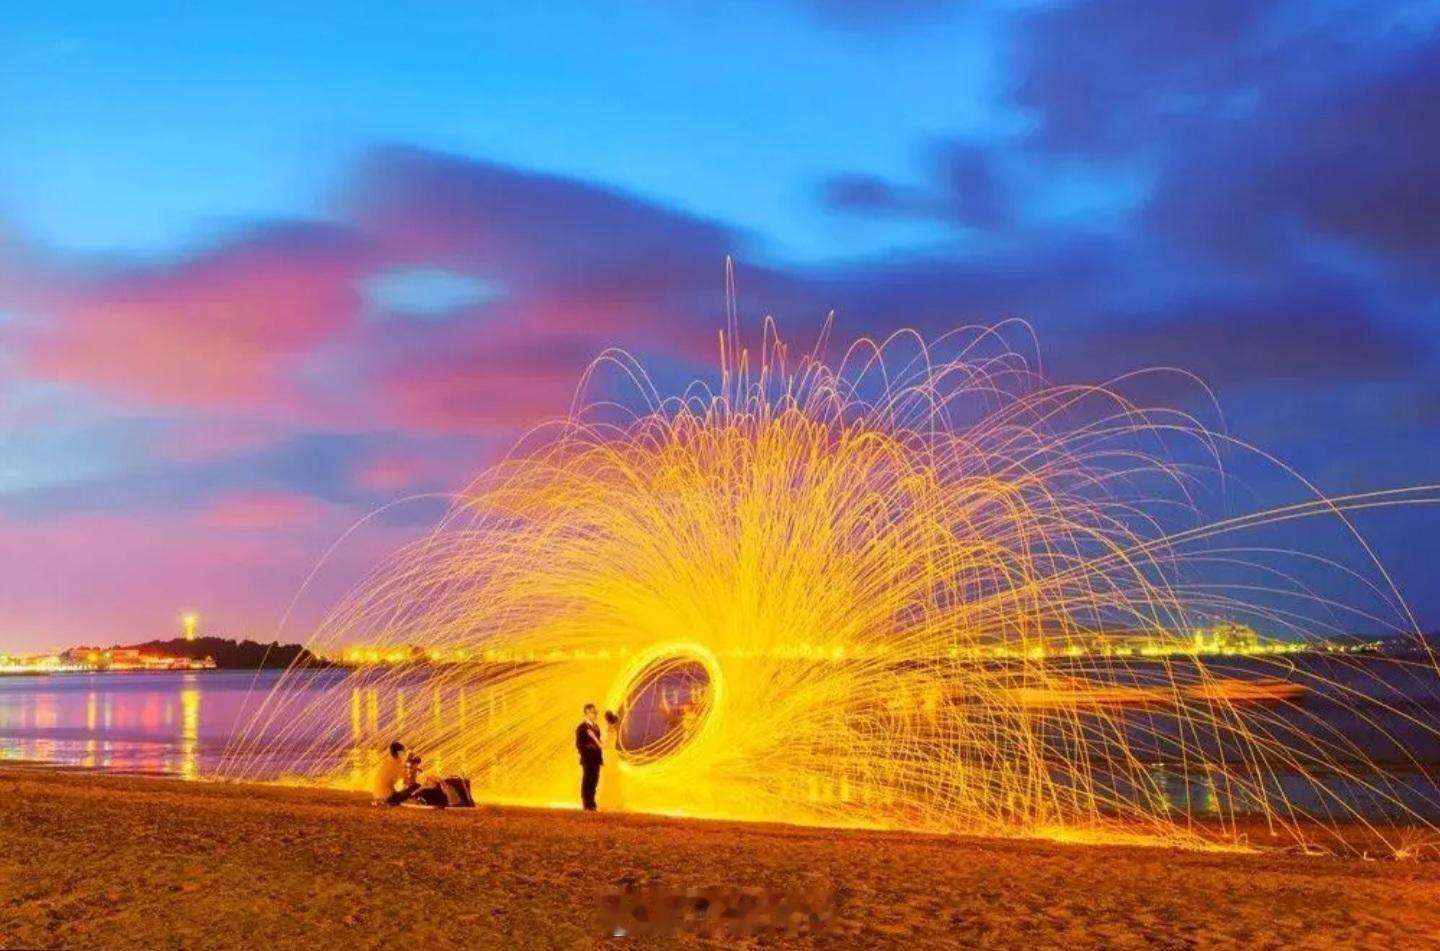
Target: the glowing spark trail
(865, 592)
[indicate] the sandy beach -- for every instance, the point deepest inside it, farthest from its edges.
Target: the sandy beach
(115, 862)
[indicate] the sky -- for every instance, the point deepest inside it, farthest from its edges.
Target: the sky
(266, 269)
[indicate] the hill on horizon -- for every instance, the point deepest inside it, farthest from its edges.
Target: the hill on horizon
(230, 654)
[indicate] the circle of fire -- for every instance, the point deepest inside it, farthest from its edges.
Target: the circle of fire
(896, 570)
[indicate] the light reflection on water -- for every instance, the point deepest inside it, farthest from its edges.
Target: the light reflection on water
(179, 723)
(137, 722)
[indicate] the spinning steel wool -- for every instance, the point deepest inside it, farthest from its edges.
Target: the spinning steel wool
(916, 587)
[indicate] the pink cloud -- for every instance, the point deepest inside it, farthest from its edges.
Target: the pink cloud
(269, 337)
(275, 325)
(479, 382)
(200, 439)
(266, 511)
(388, 474)
(227, 328)
(421, 466)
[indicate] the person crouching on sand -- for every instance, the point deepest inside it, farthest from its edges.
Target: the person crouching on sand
(592, 757)
(427, 790)
(388, 772)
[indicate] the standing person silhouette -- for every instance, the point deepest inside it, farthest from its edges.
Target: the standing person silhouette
(592, 756)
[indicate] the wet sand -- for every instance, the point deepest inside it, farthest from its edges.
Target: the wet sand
(92, 861)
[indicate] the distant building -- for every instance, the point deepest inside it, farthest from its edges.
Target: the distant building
(128, 658)
(1227, 638)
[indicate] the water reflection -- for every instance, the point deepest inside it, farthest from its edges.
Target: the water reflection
(181, 722)
(45, 713)
(160, 722)
(190, 729)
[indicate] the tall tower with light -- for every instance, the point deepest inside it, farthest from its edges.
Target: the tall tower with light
(191, 622)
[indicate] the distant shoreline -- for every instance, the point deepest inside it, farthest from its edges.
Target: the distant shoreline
(155, 670)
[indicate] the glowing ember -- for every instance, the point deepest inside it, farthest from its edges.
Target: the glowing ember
(795, 587)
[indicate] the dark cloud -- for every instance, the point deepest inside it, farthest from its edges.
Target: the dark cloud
(529, 226)
(869, 13)
(1055, 282)
(869, 195)
(1263, 125)
(1108, 78)
(1349, 158)
(1289, 155)
(585, 268)
(965, 190)
(1078, 294)
(1311, 337)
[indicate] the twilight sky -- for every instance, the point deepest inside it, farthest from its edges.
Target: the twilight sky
(267, 267)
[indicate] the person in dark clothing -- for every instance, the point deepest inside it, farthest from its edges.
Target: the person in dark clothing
(592, 756)
(427, 791)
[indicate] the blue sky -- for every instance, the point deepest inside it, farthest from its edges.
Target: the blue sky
(263, 269)
(734, 113)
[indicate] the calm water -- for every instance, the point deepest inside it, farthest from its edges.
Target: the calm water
(169, 722)
(1384, 736)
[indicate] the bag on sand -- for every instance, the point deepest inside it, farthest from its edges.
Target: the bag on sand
(457, 792)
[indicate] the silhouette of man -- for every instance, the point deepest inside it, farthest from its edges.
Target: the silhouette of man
(592, 756)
